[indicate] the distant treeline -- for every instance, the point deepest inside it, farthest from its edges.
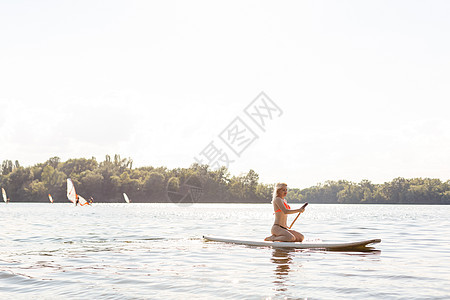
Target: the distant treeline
(106, 181)
(398, 191)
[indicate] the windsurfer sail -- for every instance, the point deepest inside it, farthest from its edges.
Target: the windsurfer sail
(50, 198)
(72, 194)
(126, 198)
(5, 198)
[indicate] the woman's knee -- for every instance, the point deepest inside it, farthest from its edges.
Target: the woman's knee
(292, 237)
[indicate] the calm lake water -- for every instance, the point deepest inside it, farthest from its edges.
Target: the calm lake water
(148, 251)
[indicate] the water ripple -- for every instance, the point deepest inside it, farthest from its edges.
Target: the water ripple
(146, 251)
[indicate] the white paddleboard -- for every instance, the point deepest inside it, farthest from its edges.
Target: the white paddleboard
(361, 245)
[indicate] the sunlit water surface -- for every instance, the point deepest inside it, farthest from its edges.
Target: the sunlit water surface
(147, 251)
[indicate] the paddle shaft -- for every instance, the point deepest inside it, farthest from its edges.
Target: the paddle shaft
(304, 205)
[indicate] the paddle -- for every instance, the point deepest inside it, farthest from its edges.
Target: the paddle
(304, 205)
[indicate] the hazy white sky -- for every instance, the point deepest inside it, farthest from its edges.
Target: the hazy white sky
(363, 85)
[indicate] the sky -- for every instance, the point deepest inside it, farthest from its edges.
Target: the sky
(351, 89)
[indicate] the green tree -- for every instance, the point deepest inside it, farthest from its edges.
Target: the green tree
(52, 178)
(91, 184)
(155, 183)
(221, 175)
(367, 189)
(74, 167)
(53, 162)
(35, 191)
(7, 167)
(54, 182)
(173, 184)
(250, 182)
(18, 184)
(264, 193)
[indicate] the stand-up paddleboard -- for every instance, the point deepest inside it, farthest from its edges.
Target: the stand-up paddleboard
(353, 246)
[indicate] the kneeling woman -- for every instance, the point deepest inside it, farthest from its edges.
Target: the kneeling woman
(280, 231)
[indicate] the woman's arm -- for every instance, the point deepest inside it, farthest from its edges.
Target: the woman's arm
(280, 203)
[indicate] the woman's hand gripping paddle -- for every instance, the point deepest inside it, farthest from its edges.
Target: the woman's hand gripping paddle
(304, 205)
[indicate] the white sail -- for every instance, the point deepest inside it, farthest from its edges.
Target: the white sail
(50, 198)
(72, 194)
(126, 198)
(5, 198)
(82, 201)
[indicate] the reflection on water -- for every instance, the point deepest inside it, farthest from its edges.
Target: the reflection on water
(282, 259)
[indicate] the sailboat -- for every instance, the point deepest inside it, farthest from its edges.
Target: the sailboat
(5, 198)
(50, 198)
(72, 194)
(126, 198)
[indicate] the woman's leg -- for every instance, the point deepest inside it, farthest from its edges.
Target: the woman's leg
(281, 235)
(298, 236)
(269, 238)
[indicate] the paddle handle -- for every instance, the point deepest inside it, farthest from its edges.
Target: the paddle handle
(303, 206)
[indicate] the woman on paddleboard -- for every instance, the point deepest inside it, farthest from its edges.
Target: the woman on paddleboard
(280, 231)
